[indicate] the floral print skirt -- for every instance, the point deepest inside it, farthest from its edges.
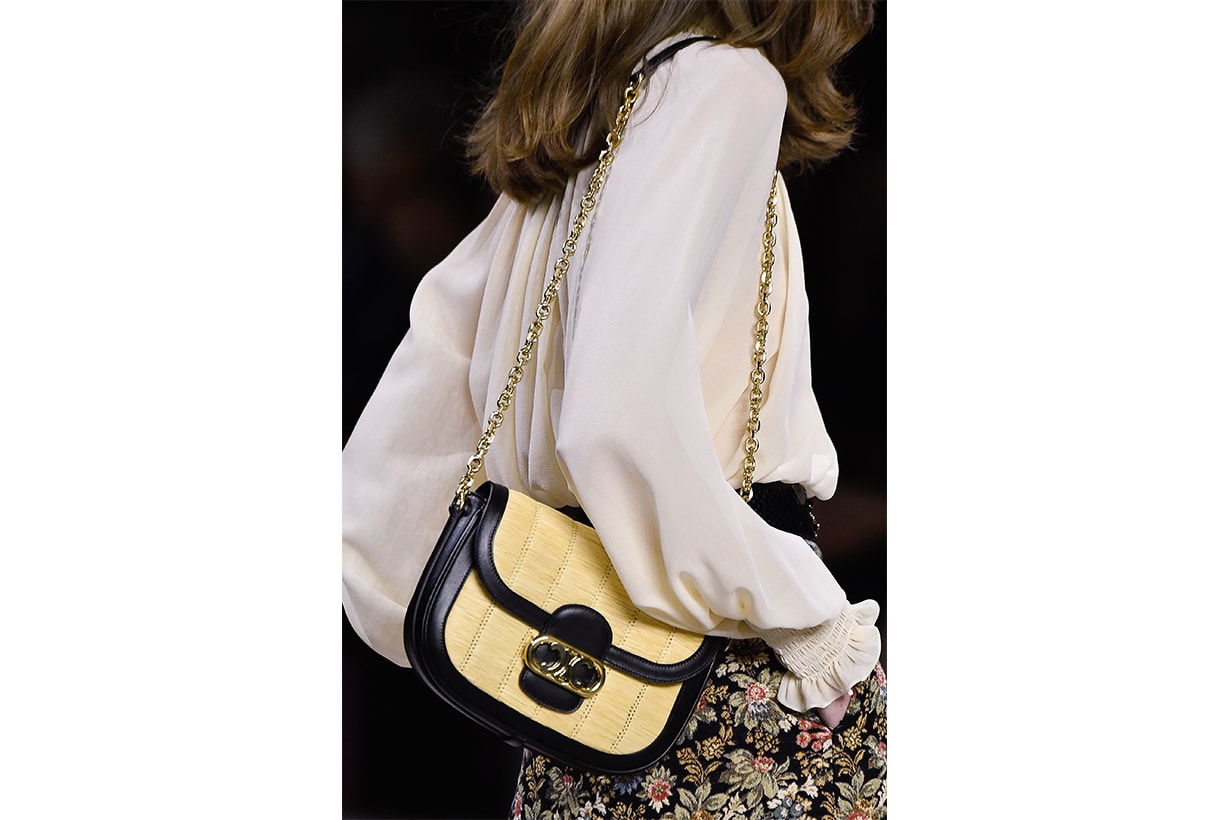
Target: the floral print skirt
(741, 755)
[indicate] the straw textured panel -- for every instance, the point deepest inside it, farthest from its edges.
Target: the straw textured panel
(566, 564)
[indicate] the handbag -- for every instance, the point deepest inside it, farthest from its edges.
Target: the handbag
(520, 620)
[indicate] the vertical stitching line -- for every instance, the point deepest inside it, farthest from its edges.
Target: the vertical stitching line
(628, 721)
(525, 546)
(590, 704)
(482, 624)
(563, 566)
(514, 666)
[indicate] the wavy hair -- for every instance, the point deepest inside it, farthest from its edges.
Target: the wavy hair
(570, 62)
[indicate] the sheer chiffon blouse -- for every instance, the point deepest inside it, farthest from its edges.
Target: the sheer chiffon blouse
(635, 403)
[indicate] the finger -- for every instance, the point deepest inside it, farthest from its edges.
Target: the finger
(832, 714)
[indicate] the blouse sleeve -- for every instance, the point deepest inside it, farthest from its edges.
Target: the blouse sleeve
(633, 438)
(405, 455)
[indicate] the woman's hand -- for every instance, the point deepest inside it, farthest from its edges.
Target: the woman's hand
(832, 714)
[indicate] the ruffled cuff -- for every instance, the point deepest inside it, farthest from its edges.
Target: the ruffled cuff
(825, 662)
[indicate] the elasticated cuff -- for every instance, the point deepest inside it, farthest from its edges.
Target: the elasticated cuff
(825, 662)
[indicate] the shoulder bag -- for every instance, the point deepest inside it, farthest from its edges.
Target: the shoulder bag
(519, 619)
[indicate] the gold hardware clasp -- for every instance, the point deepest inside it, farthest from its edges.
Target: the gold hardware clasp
(578, 672)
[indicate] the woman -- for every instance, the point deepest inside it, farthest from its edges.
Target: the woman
(635, 405)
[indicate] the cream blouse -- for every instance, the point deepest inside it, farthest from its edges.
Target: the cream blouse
(636, 400)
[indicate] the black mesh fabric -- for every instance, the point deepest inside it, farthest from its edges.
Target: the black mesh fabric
(785, 507)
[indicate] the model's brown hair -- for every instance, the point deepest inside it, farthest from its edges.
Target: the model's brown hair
(570, 62)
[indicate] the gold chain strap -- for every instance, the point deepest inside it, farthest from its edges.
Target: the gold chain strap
(543, 311)
(475, 464)
(757, 377)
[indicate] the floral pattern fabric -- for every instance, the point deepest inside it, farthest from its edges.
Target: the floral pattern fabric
(741, 755)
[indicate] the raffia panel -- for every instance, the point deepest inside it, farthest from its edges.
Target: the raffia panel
(486, 643)
(567, 564)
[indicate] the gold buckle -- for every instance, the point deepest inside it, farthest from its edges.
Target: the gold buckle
(565, 665)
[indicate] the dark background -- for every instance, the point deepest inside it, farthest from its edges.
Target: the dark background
(413, 75)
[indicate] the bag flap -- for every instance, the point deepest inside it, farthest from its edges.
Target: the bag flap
(533, 560)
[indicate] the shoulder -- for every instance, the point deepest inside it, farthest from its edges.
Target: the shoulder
(739, 76)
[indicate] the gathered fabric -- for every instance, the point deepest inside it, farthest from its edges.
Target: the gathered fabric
(635, 403)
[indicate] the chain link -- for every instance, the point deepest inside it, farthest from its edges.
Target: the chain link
(543, 311)
(759, 346)
(475, 465)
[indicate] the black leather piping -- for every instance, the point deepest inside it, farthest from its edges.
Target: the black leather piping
(443, 576)
(638, 667)
(484, 562)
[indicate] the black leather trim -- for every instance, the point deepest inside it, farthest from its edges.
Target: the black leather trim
(638, 667)
(484, 562)
(443, 576)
